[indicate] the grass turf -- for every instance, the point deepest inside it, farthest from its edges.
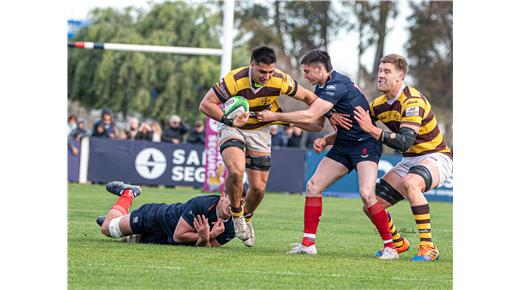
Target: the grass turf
(346, 241)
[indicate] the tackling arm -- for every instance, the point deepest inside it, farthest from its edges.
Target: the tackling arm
(314, 113)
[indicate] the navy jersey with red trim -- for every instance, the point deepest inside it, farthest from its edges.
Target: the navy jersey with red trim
(345, 95)
(168, 216)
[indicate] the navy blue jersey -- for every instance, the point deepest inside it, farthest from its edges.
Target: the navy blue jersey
(162, 219)
(345, 96)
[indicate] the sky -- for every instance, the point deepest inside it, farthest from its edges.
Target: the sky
(343, 50)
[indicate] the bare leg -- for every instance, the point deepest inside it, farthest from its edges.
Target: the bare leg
(235, 160)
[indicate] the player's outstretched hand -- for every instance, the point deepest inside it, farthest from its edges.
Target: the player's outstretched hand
(342, 120)
(319, 145)
(363, 119)
(265, 116)
(241, 119)
(218, 228)
(202, 227)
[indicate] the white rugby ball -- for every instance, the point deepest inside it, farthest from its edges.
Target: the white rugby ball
(235, 106)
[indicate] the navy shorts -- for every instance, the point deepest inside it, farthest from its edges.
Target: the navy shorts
(145, 221)
(352, 152)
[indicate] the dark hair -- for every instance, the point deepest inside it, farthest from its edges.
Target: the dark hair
(317, 56)
(263, 54)
(397, 60)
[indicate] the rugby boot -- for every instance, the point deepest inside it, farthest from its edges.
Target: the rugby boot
(100, 219)
(117, 188)
(251, 241)
(240, 226)
(301, 249)
(426, 254)
(401, 249)
(389, 254)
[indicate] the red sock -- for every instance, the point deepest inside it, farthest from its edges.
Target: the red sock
(311, 219)
(380, 220)
(124, 202)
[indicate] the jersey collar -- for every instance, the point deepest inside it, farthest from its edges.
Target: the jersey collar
(328, 80)
(391, 101)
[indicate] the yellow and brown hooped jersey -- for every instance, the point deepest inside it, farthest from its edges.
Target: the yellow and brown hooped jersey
(411, 108)
(239, 83)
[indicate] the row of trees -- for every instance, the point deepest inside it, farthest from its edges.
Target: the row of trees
(155, 85)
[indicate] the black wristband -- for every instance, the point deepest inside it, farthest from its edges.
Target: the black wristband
(329, 113)
(226, 121)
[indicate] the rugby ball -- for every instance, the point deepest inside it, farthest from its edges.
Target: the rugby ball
(235, 106)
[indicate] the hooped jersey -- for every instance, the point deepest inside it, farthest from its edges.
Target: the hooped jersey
(238, 82)
(411, 108)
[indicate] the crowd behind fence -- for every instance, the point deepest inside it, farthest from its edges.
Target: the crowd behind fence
(176, 131)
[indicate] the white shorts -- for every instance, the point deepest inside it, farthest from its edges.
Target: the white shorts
(258, 140)
(442, 161)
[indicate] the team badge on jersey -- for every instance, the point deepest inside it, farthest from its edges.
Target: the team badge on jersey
(412, 111)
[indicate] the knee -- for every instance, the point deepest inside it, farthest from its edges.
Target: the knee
(411, 186)
(367, 194)
(257, 191)
(312, 189)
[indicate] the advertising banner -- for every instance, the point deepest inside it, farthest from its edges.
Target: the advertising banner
(214, 165)
(151, 163)
(73, 162)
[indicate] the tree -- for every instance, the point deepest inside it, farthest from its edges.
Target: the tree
(430, 57)
(154, 85)
(292, 27)
(430, 50)
(372, 27)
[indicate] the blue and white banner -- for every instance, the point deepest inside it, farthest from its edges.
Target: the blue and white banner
(150, 163)
(347, 186)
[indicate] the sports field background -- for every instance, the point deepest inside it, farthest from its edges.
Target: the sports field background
(346, 241)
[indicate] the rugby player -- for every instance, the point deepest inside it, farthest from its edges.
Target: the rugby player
(427, 160)
(201, 221)
(245, 141)
(353, 150)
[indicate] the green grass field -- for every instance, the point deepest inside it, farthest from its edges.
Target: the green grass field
(346, 241)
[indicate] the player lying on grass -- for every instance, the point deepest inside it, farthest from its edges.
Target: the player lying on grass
(201, 221)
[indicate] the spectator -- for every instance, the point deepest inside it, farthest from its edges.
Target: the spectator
(80, 131)
(197, 135)
(278, 138)
(145, 132)
(122, 134)
(288, 132)
(133, 128)
(157, 131)
(105, 128)
(297, 139)
(175, 132)
(71, 123)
